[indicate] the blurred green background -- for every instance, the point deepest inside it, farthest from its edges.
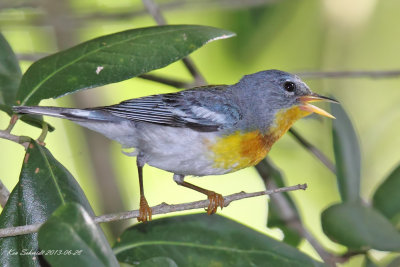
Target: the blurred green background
(290, 35)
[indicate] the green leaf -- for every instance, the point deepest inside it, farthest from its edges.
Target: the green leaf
(387, 197)
(202, 240)
(81, 242)
(36, 121)
(112, 58)
(359, 227)
(9, 245)
(6, 109)
(10, 73)
(291, 236)
(44, 184)
(347, 155)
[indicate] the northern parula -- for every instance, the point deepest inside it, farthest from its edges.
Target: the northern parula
(201, 131)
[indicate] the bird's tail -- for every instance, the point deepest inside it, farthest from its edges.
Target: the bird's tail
(73, 114)
(111, 126)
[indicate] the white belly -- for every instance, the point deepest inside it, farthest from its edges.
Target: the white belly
(177, 150)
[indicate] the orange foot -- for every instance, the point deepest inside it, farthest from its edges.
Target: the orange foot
(144, 211)
(215, 201)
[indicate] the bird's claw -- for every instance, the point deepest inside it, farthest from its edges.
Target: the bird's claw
(216, 200)
(144, 211)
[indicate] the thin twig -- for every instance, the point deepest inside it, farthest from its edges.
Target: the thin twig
(312, 149)
(13, 120)
(199, 79)
(290, 216)
(164, 80)
(4, 194)
(155, 12)
(22, 140)
(350, 74)
(159, 209)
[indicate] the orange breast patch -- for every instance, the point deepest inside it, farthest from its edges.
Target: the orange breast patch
(240, 150)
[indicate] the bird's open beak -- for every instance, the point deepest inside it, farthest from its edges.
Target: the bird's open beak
(305, 104)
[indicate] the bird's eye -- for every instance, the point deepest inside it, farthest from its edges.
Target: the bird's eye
(289, 86)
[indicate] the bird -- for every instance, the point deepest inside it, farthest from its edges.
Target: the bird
(207, 130)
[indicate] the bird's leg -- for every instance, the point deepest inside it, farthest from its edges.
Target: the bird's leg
(144, 210)
(216, 200)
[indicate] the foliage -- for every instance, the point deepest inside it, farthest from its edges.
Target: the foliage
(47, 192)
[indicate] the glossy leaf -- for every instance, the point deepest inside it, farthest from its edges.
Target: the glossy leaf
(387, 197)
(81, 242)
(291, 236)
(10, 73)
(10, 77)
(6, 109)
(36, 121)
(44, 184)
(9, 245)
(359, 227)
(347, 155)
(112, 58)
(202, 240)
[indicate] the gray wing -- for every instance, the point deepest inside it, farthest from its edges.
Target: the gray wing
(202, 109)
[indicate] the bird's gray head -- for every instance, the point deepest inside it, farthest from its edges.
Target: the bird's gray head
(279, 89)
(266, 93)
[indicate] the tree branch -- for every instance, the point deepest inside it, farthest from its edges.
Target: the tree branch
(313, 150)
(350, 74)
(155, 12)
(163, 208)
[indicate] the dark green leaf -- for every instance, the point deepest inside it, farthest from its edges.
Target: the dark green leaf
(268, 171)
(9, 245)
(44, 184)
(387, 197)
(6, 109)
(10, 77)
(81, 242)
(112, 58)
(359, 227)
(36, 120)
(10, 73)
(202, 240)
(347, 155)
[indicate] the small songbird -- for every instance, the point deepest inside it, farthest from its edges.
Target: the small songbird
(202, 131)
